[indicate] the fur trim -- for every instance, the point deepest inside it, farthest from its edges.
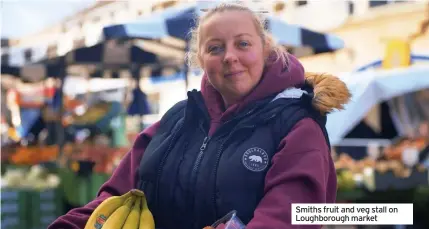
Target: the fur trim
(329, 92)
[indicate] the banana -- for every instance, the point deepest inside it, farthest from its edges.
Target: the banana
(133, 218)
(104, 210)
(146, 217)
(118, 217)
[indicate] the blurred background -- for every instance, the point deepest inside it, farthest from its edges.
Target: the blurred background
(80, 80)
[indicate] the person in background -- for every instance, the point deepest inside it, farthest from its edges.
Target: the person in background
(252, 140)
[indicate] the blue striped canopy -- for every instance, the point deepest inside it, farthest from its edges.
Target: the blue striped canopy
(178, 21)
(116, 55)
(103, 54)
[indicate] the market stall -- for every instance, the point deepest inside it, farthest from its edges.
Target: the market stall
(380, 141)
(90, 113)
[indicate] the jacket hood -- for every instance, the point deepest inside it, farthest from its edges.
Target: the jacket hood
(329, 92)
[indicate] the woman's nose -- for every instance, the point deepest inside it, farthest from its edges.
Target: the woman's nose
(230, 56)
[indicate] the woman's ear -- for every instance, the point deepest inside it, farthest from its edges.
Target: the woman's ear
(267, 48)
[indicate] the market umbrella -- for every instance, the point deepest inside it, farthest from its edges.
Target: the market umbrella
(177, 21)
(111, 54)
(106, 55)
(370, 88)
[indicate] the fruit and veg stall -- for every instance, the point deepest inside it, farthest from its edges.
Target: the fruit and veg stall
(40, 180)
(382, 156)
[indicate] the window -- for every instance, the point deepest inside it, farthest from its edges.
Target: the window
(27, 55)
(377, 3)
(301, 3)
(351, 7)
(4, 42)
(5, 59)
(373, 4)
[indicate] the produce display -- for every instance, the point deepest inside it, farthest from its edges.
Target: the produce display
(129, 211)
(34, 178)
(395, 151)
(104, 157)
(31, 155)
(368, 171)
(345, 162)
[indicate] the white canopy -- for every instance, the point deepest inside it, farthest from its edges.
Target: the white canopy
(370, 88)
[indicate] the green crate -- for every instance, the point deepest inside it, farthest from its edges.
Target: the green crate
(26, 208)
(14, 208)
(46, 206)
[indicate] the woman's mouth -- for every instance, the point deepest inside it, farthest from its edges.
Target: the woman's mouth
(231, 74)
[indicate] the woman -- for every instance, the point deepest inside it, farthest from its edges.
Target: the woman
(252, 140)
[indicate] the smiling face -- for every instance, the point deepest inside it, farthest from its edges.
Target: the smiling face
(232, 54)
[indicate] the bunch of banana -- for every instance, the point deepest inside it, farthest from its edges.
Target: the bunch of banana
(129, 211)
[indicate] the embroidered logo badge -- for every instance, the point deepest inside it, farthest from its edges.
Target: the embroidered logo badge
(255, 159)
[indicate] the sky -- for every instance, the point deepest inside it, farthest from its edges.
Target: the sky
(24, 17)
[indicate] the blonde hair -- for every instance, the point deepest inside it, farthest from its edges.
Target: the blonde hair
(277, 52)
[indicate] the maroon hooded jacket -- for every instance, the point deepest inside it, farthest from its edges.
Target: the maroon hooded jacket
(300, 172)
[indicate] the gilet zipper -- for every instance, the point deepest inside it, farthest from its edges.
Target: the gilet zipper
(219, 154)
(199, 156)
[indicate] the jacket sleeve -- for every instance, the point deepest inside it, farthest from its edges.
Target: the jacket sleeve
(301, 172)
(122, 180)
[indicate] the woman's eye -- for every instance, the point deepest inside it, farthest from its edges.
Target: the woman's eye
(214, 49)
(244, 44)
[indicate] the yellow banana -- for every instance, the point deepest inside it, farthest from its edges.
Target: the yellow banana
(146, 217)
(133, 218)
(104, 210)
(118, 217)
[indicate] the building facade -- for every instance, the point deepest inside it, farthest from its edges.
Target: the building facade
(367, 28)
(82, 29)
